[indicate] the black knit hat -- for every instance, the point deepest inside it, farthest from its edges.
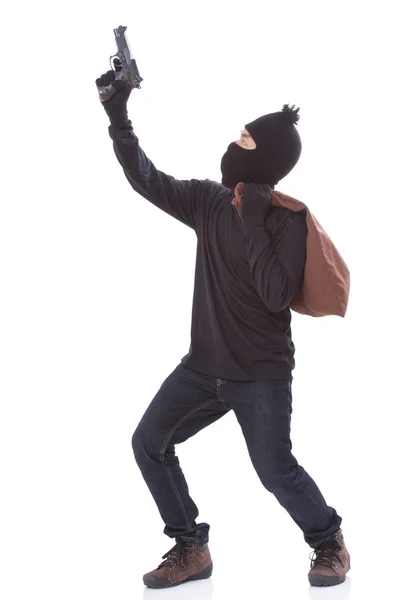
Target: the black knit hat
(278, 144)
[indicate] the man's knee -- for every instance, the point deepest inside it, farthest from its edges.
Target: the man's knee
(147, 447)
(142, 446)
(279, 474)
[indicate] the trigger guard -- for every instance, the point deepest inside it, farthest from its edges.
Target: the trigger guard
(113, 66)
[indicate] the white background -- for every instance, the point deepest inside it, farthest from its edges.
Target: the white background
(96, 291)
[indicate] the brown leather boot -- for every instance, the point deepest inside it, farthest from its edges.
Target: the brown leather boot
(331, 562)
(186, 561)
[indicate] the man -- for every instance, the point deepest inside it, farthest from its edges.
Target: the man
(250, 264)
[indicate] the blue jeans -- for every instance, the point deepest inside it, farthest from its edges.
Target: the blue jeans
(189, 401)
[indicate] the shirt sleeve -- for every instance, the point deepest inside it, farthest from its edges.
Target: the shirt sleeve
(182, 199)
(277, 262)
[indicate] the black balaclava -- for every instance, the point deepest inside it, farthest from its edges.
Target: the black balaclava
(278, 150)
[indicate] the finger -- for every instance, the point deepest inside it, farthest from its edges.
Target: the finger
(100, 81)
(109, 76)
(106, 78)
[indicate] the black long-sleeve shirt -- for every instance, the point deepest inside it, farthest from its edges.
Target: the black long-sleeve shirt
(246, 274)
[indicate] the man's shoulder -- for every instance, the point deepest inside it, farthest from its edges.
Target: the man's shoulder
(213, 192)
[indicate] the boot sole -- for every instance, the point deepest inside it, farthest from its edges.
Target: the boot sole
(324, 580)
(154, 583)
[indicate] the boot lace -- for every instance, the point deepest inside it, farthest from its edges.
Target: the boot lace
(327, 554)
(177, 555)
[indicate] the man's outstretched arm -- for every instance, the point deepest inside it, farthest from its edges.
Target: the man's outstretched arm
(180, 199)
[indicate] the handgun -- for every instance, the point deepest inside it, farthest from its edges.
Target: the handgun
(123, 64)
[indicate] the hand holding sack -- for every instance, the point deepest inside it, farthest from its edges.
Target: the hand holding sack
(252, 201)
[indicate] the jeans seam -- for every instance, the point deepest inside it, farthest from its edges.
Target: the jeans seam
(186, 516)
(219, 382)
(310, 497)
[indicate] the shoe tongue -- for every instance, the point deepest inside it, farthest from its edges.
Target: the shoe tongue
(187, 540)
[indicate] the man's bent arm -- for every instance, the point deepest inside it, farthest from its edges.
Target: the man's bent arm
(277, 265)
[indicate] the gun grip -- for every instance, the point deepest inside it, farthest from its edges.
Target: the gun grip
(107, 91)
(124, 75)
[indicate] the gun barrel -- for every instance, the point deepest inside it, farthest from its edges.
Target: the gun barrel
(125, 55)
(122, 43)
(120, 30)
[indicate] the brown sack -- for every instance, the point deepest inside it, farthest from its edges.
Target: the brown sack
(326, 287)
